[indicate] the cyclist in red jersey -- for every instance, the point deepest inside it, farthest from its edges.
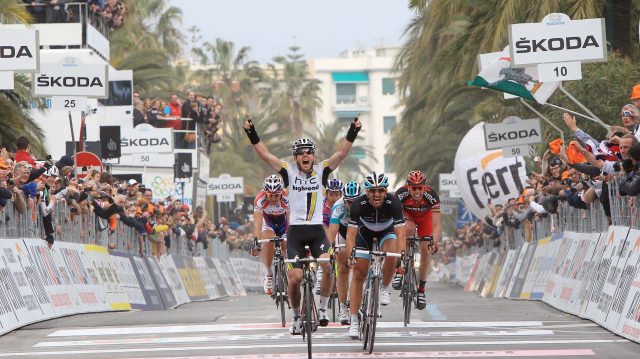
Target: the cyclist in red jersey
(421, 207)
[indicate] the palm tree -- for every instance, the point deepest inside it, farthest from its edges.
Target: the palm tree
(292, 97)
(12, 12)
(328, 137)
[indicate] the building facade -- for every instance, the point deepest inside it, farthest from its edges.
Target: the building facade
(361, 82)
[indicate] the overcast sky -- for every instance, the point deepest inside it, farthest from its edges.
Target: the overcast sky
(322, 28)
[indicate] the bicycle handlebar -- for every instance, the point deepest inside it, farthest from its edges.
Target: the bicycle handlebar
(378, 253)
(272, 240)
(307, 260)
(421, 239)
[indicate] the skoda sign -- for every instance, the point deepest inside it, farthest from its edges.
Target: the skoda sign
(557, 39)
(512, 132)
(146, 139)
(225, 185)
(19, 50)
(71, 78)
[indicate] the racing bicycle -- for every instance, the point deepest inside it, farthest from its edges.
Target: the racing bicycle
(280, 281)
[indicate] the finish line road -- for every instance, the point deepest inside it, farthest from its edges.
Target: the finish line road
(456, 324)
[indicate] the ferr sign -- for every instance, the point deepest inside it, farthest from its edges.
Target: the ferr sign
(557, 39)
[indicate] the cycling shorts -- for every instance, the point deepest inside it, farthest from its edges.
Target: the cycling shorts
(312, 235)
(364, 239)
(279, 228)
(423, 223)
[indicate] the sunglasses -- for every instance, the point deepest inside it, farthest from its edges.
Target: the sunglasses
(627, 113)
(307, 151)
(377, 190)
(416, 188)
(348, 201)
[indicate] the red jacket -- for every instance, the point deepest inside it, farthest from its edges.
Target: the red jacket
(24, 156)
(175, 111)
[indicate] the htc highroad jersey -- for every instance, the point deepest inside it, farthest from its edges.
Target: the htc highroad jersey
(306, 192)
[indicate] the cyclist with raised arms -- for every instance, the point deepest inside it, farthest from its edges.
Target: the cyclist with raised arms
(306, 182)
(334, 188)
(338, 232)
(270, 219)
(377, 214)
(421, 206)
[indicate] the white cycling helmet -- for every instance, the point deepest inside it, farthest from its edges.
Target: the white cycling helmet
(376, 179)
(272, 184)
(303, 143)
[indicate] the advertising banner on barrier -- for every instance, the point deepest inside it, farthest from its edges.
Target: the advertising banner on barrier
(168, 299)
(588, 272)
(54, 276)
(607, 277)
(626, 270)
(629, 323)
(464, 266)
(208, 277)
(248, 270)
(546, 266)
(474, 270)
(108, 277)
(516, 268)
(84, 278)
(534, 269)
(505, 272)
(484, 270)
(148, 286)
(128, 280)
(191, 278)
(554, 282)
(226, 272)
(217, 276)
(18, 303)
(520, 276)
(170, 272)
(492, 276)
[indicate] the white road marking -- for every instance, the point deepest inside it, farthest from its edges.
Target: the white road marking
(270, 326)
(352, 344)
(286, 336)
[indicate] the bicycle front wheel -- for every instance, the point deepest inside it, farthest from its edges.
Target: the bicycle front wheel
(408, 293)
(373, 311)
(308, 310)
(281, 285)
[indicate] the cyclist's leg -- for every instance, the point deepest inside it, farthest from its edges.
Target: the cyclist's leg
(359, 275)
(388, 244)
(342, 284)
(295, 238)
(320, 248)
(267, 249)
(425, 228)
(401, 245)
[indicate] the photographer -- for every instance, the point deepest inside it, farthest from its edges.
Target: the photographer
(630, 183)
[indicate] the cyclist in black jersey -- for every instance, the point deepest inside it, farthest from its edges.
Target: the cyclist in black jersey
(374, 215)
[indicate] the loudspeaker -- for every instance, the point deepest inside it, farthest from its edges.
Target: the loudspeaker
(110, 141)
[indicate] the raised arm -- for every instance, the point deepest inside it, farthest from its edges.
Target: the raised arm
(261, 149)
(345, 146)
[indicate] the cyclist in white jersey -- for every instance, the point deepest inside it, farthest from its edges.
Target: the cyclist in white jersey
(307, 183)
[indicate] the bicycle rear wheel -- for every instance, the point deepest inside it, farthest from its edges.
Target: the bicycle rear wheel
(281, 289)
(407, 292)
(364, 316)
(373, 311)
(308, 310)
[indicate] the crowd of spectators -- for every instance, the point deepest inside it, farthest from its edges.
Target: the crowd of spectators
(182, 115)
(578, 174)
(108, 12)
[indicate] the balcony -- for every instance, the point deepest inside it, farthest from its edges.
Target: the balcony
(75, 28)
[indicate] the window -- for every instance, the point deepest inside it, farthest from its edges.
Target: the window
(358, 153)
(388, 86)
(387, 163)
(345, 93)
(389, 123)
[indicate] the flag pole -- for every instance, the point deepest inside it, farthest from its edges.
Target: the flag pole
(544, 118)
(575, 100)
(579, 114)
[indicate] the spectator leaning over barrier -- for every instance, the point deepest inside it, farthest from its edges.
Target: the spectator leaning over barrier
(630, 183)
(23, 152)
(608, 166)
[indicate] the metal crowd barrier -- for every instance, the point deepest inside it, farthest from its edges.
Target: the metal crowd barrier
(625, 210)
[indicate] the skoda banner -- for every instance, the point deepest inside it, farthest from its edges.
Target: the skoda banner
(482, 174)
(19, 50)
(70, 77)
(147, 139)
(225, 184)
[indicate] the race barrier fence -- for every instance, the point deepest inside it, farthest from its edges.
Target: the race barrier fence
(574, 261)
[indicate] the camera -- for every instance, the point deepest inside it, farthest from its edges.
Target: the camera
(91, 110)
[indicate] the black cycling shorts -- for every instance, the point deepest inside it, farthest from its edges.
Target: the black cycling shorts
(312, 235)
(364, 239)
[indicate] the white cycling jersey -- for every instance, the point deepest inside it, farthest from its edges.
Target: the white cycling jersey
(306, 191)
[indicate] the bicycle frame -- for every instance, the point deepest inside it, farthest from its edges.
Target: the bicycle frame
(280, 280)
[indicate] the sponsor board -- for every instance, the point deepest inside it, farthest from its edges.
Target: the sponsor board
(108, 276)
(128, 280)
(505, 272)
(608, 276)
(588, 273)
(145, 138)
(522, 250)
(170, 272)
(486, 263)
(191, 278)
(71, 78)
(533, 273)
(629, 323)
(19, 50)
(464, 266)
(472, 274)
(217, 277)
(494, 274)
(208, 276)
(168, 299)
(546, 265)
(520, 275)
(511, 132)
(225, 185)
(626, 271)
(148, 286)
(229, 277)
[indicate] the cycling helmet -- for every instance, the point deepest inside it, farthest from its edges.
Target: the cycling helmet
(303, 143)
(272, 184)
(335, 185)
(416, 178)
(351, 190)
(52, 172)
(376, 179)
